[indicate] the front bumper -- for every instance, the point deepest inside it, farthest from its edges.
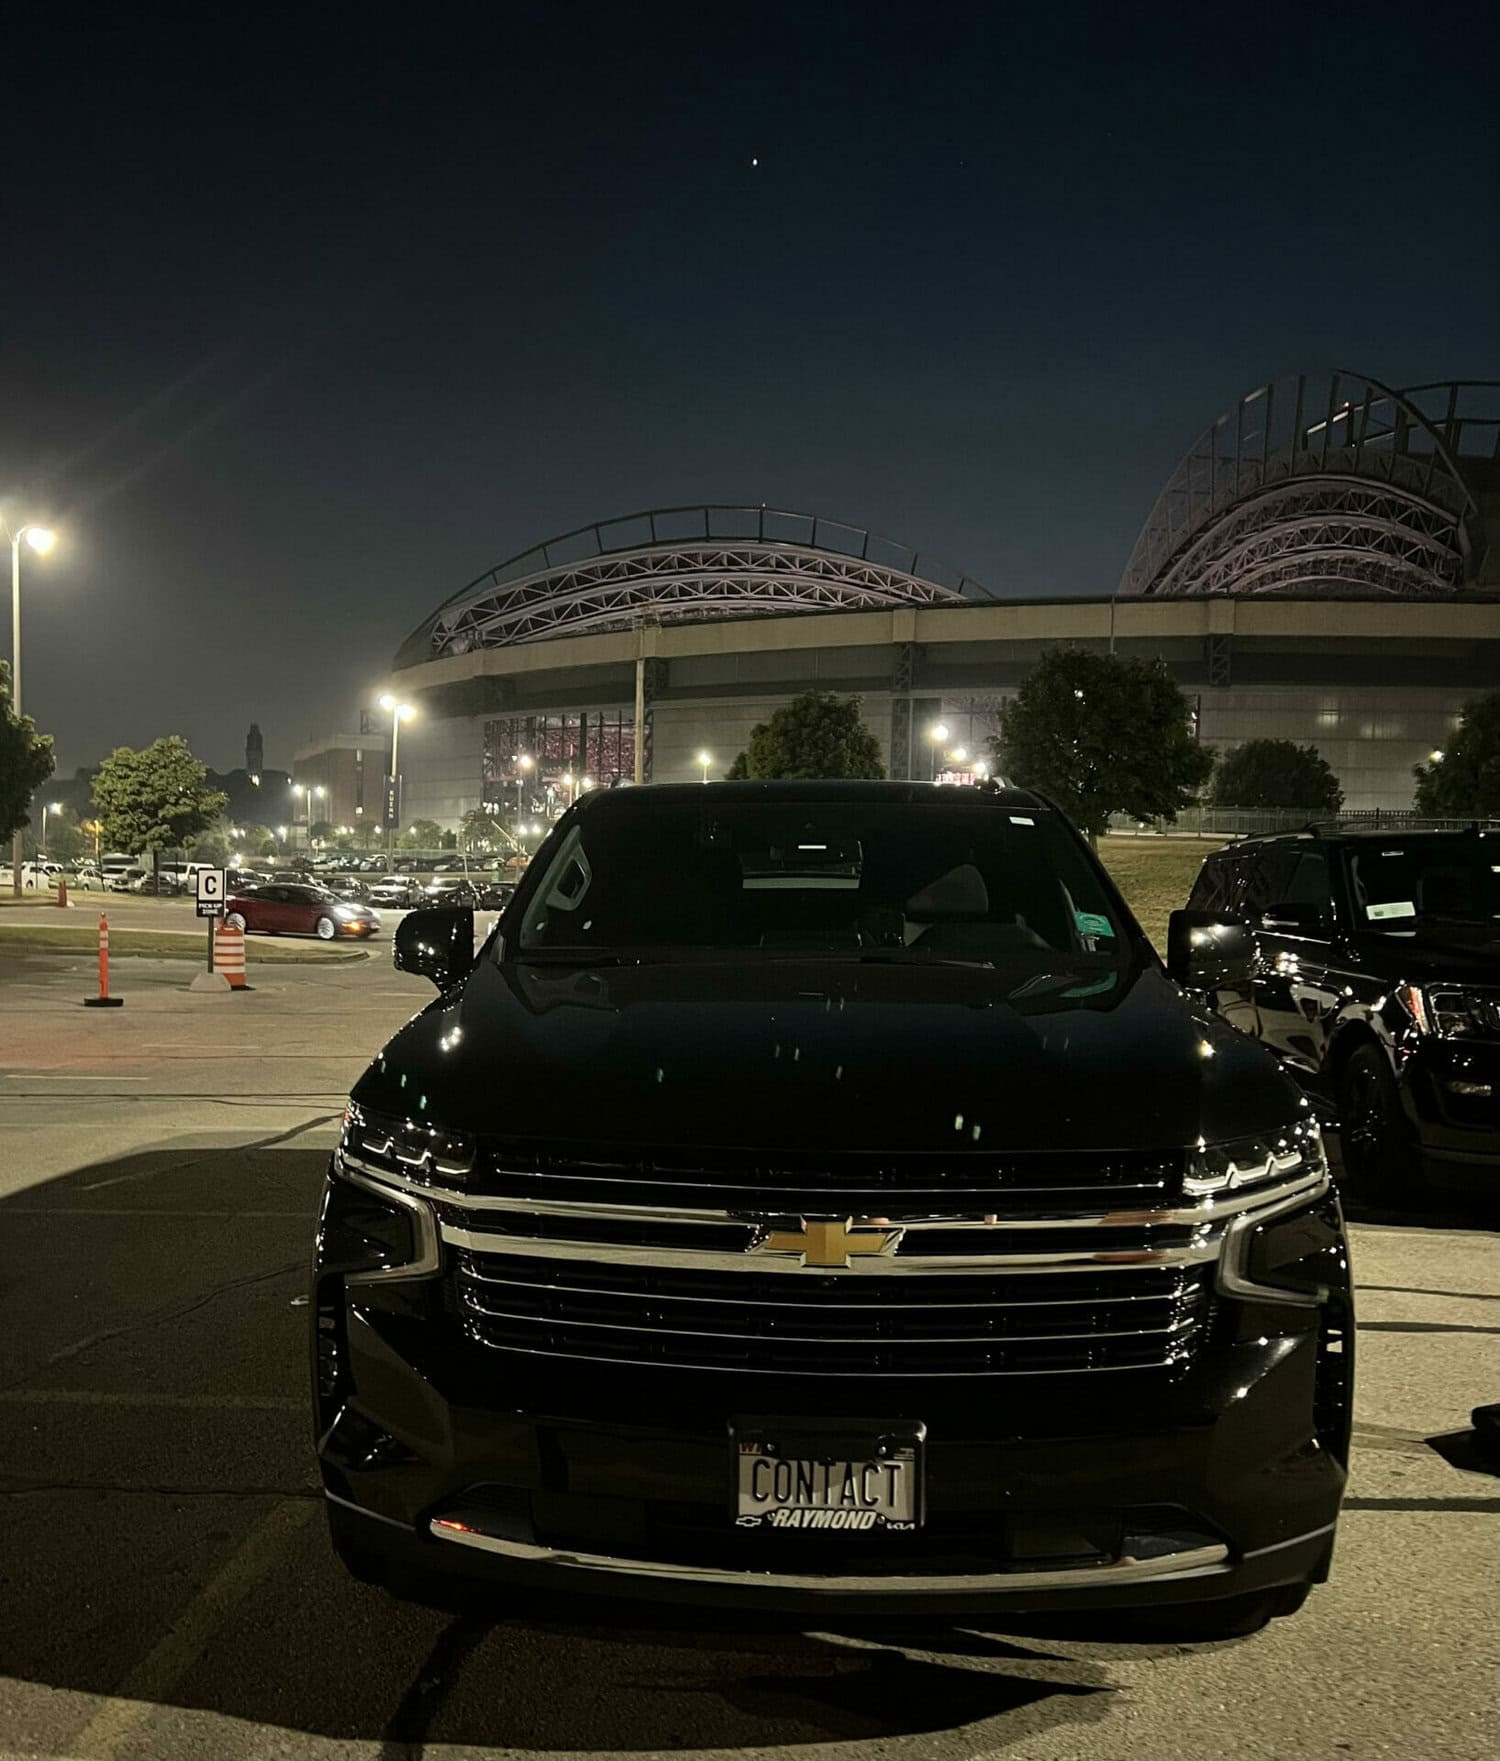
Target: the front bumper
(1451, 1093)
(1054, 1500)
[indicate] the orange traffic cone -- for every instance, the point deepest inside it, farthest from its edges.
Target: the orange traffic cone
(229, 955)
(104, 1000)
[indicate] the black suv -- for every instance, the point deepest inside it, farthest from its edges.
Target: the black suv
(1369, 962)
(817, 1197)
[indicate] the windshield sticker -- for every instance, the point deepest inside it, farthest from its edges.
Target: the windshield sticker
(1090, 923)
(1396, 908)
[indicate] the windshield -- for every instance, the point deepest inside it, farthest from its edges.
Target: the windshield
(948, 880)
(1395, 882)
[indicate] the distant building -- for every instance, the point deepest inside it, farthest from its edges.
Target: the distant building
(255, 751)
(1324, 566)
(350, 768)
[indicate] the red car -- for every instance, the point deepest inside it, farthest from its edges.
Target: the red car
(287, 909)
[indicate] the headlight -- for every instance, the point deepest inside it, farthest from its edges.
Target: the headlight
(1270, 1159)
(377, 1143)
(1449, 1010)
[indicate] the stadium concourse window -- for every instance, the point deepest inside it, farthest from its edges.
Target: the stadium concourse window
(526, 756)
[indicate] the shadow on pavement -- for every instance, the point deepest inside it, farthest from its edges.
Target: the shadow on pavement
(165, 1541)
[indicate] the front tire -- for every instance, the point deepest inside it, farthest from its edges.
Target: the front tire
(327, 929)
(1380, 1158)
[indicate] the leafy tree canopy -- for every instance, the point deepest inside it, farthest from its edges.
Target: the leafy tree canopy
(1102, 735)
(25, 761)
(1276, 773)
(155, 799)
(1465, 782)
(815, 735)
(422, 834)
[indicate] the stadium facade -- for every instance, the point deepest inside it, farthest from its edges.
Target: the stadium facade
(1323, 566)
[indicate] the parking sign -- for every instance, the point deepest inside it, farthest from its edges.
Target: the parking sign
(210, 892)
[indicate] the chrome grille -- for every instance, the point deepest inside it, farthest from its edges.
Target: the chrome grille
(737, 1180)
(1125, 1318)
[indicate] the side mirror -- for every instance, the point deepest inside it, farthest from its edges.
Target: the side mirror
(437, 943)
(1208, 953)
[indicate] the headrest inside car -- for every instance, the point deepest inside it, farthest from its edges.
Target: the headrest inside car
(959, 893)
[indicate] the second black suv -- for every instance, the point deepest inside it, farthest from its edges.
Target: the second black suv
(1369, 962)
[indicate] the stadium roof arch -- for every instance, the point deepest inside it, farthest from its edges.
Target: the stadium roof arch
(1330, 485)
(683, 565)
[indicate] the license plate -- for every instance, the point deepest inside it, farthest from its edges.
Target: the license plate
(795, 1485)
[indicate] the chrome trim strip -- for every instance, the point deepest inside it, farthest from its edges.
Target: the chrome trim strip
(1189, 1563)
(374, 1515)
(822, 1300)
(1296, 1541)
(1209, 1210)
(708, 1259)
(924, 1374)
(424, 1228)
(823, 1339)
(1233, 1279)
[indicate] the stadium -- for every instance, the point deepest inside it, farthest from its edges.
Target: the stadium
(1323, 566)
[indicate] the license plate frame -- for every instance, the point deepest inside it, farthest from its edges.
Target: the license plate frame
(886, 1459)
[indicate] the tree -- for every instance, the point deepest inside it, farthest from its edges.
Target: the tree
(422, 834)
(320, 831)
(1276, 773)
(26, 762)
(1102, 735)
(483, 828)
(1463, 782)
(255, 840)
(815, 735)
(155, 799)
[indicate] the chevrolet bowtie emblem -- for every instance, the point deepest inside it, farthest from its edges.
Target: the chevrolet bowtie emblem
(828, 1242)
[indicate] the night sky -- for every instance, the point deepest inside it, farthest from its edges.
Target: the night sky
(307, 320)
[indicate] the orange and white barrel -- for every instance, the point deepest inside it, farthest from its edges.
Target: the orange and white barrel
(229, 955)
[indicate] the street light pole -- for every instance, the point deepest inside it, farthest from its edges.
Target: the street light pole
(41, 541)
(398, 712)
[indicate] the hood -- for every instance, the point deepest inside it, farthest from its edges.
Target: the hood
(826, 1056)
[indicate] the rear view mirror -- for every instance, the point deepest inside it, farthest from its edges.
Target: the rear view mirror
(437, 943)
(1206, 952)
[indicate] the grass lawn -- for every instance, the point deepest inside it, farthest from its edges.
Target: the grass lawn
(1156, 875)
(160, 944)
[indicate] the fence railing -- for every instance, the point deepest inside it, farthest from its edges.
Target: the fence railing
(1246, 822)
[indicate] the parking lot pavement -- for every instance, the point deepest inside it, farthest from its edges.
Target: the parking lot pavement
(166, 1588)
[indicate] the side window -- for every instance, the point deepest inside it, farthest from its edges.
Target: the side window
(1269, 873)
(1309, 883)
(1214, 888)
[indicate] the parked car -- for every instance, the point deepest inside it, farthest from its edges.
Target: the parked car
(122, 880)
(40, 874)
(1368, 961)
(397, 892)
(85, 877)
(899, 1195)
(164, 885)
(285, 909)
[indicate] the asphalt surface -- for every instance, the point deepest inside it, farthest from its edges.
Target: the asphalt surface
(166, 1588)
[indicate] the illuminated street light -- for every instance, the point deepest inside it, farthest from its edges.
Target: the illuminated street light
(937, 735)
(981, 767)
(51, 807)
(959, 754)
(398, 712)
(41, 539)
(705, 759)
(1436, 756)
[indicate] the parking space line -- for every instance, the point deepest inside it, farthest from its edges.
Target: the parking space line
(147, 1685)
(176, 1402)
